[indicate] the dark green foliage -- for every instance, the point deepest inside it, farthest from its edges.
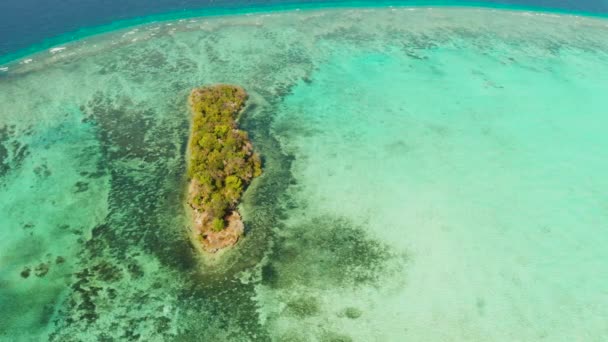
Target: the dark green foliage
(222, 161)
(218, 224)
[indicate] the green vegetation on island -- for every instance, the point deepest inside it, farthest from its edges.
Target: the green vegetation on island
(221, 160)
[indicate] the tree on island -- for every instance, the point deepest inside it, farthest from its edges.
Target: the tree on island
(222, 162)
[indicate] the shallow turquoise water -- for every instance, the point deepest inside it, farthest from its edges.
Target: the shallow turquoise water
(431, 174)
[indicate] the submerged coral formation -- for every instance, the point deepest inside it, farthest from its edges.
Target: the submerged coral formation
(380, 212)
(221, 164)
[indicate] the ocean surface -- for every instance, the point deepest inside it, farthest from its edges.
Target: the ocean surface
(430, 174)
(27, 26)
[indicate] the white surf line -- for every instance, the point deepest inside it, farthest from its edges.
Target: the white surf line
(57, 49)
(4, 69)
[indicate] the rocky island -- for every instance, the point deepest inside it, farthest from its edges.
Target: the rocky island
(221, 164)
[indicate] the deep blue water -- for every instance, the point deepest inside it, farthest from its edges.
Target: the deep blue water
(24, 23)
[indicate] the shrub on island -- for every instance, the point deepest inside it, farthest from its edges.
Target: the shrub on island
(222, 161)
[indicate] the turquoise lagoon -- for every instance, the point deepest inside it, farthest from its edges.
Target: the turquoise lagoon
(431, 174)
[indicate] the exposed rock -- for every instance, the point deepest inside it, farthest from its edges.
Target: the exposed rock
(213, 241)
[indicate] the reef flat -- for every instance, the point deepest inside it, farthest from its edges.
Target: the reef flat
(221, 163)
(430, 174)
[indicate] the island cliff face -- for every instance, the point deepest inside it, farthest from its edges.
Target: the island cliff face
(221, 164)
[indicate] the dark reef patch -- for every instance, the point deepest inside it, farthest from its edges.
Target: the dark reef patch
(354, 35)
(330, 336)
(140, 154)
(292, 336)
(4, 166)
(25, 273)
(42, 269)
(352, 313)
(42, 171)
(327, 251)
(304, 307)
(12, 151)
(107, 272)
(81, 187)
(135, 270)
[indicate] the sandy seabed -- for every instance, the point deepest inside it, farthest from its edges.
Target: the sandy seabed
(430, 174)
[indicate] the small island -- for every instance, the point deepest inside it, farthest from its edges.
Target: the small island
(221, 164)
